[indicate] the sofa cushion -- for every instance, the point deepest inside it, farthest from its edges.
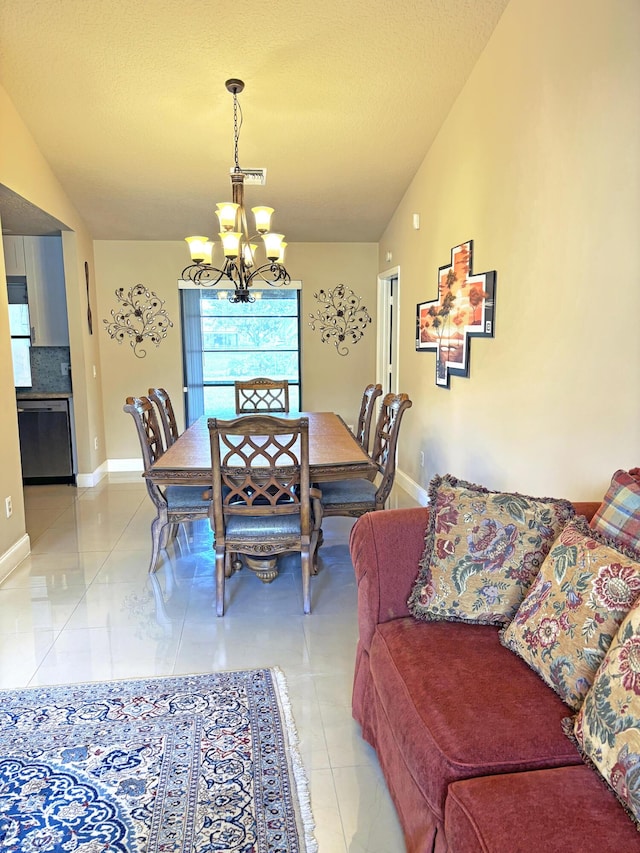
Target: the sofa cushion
(482, 551)
(607, 728)
(618, 517)
(461, 705)
(565, 625)
(566, 808)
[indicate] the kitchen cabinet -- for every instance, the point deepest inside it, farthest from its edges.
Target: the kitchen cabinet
(14, 255)
(43, 266)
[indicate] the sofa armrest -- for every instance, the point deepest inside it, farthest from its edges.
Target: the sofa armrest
(386, 548)
(587, 508)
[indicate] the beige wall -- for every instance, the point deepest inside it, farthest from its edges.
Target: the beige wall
(329, 381)
(538, 164)
(11, 529)
(25, 172)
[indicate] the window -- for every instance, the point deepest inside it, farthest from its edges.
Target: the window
(224, 341)
(20, 331)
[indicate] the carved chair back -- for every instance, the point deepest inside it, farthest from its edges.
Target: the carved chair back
(260, 467)
(167, 416)
(174, 504)
(262, 499)
(367, 406)
(386, 441)
(151, 444)
(261, 395)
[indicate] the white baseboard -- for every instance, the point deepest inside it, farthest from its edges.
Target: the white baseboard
(88, 481)
(124, 465)
(410, 486)
(12, 558)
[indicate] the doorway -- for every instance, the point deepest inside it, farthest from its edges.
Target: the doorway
(388, 329)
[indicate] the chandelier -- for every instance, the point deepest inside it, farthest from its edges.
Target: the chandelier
(240, 264)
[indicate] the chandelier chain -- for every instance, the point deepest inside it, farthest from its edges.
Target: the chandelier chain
(236, 130)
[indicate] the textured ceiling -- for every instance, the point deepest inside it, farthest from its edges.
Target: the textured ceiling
(343, 98)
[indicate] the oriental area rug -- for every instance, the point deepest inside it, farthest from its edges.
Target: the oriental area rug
(194, 763)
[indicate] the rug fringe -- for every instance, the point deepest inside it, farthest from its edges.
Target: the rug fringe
(299, 774)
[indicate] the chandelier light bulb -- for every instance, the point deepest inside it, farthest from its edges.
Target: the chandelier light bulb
(201, 249)
(263, 218)
(280, 258)
(272, 245)
(227, 211)
(231, 243)
(249, 253)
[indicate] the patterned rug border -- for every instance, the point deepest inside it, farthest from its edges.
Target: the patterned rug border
(300, 797)
(294, 758)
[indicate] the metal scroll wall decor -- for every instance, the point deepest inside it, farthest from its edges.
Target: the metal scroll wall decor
(140, 317)
(463, 310)
(341, 319)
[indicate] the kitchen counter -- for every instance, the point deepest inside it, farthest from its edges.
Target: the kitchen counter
(44, 395)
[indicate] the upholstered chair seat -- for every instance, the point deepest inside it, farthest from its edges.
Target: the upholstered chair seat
(263, 526)
(351, 492)
(355, 497)
(187, 498)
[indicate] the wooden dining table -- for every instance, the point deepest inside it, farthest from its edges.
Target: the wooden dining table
(334, 453)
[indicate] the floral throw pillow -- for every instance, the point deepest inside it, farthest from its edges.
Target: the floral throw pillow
(565, 625)
(618, 517)
(607, 727)
(483, 550)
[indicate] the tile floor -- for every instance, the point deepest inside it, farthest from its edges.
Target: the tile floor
(82, 607)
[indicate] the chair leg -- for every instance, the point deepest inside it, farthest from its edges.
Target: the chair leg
(220, 576)
(229, 564)
(305, 561)
(182, 539)
(158, 527)
(313, 554)
(170, 533)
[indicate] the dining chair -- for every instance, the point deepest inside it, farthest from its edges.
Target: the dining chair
(357, 496)
(367, 406)
(263, 504)
(167, 416)
(261, 396)
(174, 504)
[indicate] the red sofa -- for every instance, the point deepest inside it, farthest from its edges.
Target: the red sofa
(469, 738)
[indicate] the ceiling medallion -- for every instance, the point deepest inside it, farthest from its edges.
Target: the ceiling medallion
(240, 264)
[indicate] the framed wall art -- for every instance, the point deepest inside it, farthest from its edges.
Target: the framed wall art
(463, 309)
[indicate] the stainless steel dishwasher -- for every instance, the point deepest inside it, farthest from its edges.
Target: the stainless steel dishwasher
(45, 441)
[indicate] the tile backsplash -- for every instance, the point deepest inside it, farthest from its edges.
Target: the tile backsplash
(46, 370)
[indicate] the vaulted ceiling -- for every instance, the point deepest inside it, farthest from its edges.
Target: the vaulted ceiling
(342, 100)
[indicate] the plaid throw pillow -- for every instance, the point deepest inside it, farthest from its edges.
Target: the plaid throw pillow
(618, 517)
